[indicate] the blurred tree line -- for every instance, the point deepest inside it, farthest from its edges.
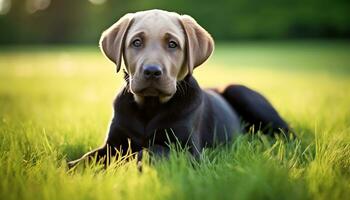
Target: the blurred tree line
(82, 21)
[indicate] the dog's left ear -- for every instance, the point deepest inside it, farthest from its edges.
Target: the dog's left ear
(199, 43)
(112, 40)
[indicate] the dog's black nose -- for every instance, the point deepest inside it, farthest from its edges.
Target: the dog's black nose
(152, 71)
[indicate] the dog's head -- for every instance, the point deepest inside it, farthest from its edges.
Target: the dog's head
(159, 49)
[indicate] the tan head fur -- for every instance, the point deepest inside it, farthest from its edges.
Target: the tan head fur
(159, 49)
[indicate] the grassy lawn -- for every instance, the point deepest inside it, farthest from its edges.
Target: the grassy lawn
(55, 104)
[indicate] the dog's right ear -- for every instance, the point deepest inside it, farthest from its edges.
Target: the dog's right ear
(112, 40)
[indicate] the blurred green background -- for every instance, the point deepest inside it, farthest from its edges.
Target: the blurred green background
(81, 21)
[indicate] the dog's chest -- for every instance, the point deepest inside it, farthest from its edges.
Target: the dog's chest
(158, 130)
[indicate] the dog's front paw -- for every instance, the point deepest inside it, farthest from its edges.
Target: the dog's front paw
(72, 164)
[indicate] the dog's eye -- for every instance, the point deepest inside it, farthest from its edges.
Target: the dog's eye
(137, 43)
(172, 44)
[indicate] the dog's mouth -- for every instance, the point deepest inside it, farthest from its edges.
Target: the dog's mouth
(153, 92)
(164, 90)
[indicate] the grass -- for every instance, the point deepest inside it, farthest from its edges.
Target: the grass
(55, 104)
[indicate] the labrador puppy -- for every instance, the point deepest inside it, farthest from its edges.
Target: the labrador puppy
(162, 102)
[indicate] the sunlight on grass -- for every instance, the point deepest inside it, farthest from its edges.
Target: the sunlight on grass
(56, 104)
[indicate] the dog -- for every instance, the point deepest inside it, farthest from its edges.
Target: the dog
(162, 102)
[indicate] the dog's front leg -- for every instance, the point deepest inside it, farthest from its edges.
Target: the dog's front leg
(99, 154)
(113, 141)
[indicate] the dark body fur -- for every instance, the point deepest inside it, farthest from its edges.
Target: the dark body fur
(193, 117)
